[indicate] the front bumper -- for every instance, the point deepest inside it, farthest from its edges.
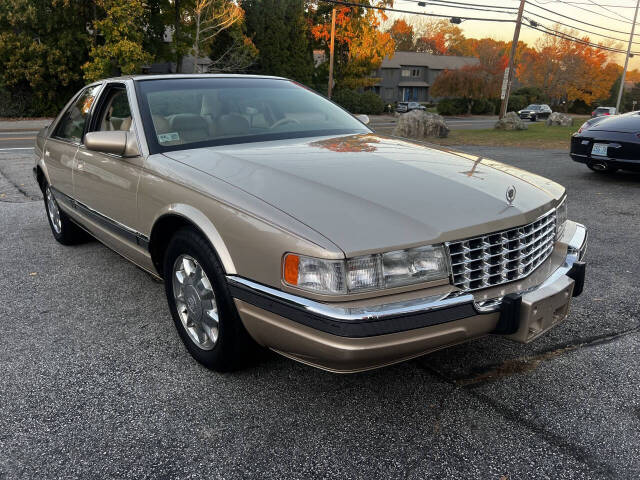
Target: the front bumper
(345, 339)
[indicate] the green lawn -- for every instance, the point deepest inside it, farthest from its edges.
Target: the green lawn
(538, 135)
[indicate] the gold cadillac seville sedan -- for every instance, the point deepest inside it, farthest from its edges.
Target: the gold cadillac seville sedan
(275, 217)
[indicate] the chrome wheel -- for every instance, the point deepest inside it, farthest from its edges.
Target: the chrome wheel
(54, 211)
(195, 301)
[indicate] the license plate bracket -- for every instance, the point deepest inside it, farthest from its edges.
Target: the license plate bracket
(543, 309)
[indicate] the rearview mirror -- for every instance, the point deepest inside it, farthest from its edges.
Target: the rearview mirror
(118, 143)
(363, 118)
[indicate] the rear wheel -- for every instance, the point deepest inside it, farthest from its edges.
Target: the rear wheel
(64, 230)
(201, 306)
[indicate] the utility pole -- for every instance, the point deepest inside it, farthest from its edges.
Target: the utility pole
(626, 61)
(333, 37)
(512, 57)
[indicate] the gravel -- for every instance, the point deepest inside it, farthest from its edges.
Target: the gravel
(95, 382)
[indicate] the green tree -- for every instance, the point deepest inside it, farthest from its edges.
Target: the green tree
(43, 44)
(122, 33)
(279, 30)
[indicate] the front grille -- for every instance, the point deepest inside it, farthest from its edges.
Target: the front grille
(502, 257)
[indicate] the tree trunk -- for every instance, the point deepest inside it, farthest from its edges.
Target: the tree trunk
(176, 37)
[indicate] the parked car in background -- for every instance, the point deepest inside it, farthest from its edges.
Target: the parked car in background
(606, 144)
(534, 112)
(404, 107)
(603, 111)
(274, 216)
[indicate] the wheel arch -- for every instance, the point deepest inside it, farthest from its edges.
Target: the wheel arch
(41, 175)
(180, 216)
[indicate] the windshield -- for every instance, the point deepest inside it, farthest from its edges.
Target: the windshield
(532, 107)
(196, 112)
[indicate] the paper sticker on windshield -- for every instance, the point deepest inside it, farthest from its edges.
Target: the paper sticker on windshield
(168, 137)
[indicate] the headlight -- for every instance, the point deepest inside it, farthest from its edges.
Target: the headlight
(561, 218)
(369, 272)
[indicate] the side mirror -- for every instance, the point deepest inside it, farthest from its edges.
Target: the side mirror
(363, 118)
(118, 143)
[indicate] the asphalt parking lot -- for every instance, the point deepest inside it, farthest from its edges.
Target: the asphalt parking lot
(96, 384)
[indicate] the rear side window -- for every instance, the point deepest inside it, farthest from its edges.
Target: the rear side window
(72, 123)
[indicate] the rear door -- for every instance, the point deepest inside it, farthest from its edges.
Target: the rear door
(62, 146)
(105, 184)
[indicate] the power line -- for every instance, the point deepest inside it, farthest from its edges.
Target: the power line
(543, 28)
(571, 38)
(578, 21)
(411, 12)
(582, 29)
(582, 7)
(627, 20)
(468, 6)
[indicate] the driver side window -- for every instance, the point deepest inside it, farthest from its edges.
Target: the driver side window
(115, 112)
(72, 123)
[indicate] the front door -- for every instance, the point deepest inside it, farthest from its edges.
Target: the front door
(61, 147)
(106, 185)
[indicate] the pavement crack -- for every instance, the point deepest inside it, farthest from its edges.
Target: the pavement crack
(603, 469)
(523, 365)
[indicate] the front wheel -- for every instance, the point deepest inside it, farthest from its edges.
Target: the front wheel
(201, 306)
(533, 119)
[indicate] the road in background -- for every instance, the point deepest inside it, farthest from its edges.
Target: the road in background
(96, 383)
(19, 135)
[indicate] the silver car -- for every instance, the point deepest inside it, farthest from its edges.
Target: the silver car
(276, 218)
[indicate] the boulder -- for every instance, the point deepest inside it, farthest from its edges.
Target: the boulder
(557, 118)
(511, 121)
(420, 124)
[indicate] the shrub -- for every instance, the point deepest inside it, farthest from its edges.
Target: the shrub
(371, 104)
(517, 102)
(482, 106)
(347, 99)
(356, 102)
(452, 106)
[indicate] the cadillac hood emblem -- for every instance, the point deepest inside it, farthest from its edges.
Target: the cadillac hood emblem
(511, 194)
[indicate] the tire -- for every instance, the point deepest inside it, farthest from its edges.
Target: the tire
(607, 171)
(201, 306)
(533, 119)
(63, 229)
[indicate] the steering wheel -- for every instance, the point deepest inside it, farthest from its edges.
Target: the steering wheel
(284, 121)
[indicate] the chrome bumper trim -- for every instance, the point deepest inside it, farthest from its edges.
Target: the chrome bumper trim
(353, 322)
(386, 318)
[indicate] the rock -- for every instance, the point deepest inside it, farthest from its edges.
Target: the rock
(420, 124)
(511, 121)
(557, 118)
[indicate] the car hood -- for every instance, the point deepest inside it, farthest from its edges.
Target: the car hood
(369, 193)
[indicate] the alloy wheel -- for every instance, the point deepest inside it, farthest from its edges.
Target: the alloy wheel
(54, 211)
(195, 302)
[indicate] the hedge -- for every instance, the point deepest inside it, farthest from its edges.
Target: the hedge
(356, 102)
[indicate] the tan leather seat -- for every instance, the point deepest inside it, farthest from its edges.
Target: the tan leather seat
(232, 125)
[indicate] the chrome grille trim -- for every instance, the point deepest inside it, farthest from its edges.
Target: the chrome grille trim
(502, 257)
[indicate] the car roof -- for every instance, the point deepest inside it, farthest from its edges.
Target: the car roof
(169, 76)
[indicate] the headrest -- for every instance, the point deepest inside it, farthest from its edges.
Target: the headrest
(232, 124)
(188, 121)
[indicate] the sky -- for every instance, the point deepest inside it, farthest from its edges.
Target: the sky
(611, 14)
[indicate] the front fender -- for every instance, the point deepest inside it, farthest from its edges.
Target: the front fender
(202, 222)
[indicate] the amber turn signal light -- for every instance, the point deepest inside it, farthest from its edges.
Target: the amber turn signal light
(291, 264)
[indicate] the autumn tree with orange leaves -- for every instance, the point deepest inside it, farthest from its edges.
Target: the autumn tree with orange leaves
(360, 43)
(402, 34)
(567, 71)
